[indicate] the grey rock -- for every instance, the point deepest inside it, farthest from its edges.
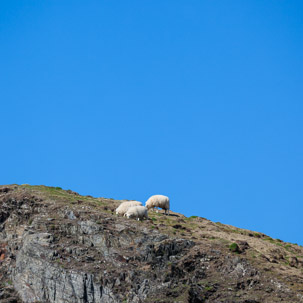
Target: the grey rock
(55, 251)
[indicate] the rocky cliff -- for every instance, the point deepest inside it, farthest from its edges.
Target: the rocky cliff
(57, 246)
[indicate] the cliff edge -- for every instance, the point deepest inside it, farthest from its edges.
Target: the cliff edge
(57, 246)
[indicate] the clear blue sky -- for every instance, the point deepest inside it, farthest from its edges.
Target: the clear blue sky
(198, 100)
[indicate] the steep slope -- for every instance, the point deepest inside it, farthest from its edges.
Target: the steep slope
(57, 246)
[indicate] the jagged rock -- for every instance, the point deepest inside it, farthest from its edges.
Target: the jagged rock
(243, 246)
(293, 262)
(54, 249)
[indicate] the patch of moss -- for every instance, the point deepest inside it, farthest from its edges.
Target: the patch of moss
(234, 247)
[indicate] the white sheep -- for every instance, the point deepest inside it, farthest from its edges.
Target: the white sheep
(158, 201)
(123, 207)
(137, 212)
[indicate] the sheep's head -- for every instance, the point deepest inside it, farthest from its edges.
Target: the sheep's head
(149, 205)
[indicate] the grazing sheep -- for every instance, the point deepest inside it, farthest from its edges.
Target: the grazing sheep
(123, 207)
(137, 212)
(158, 201)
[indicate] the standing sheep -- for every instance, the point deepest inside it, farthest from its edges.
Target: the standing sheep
(158, 201)
(123, 207)
(137, 212)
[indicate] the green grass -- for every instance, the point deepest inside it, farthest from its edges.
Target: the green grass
(280, 243)
(289, 248)
(269, 239)
(233, 247)
(57, 193)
